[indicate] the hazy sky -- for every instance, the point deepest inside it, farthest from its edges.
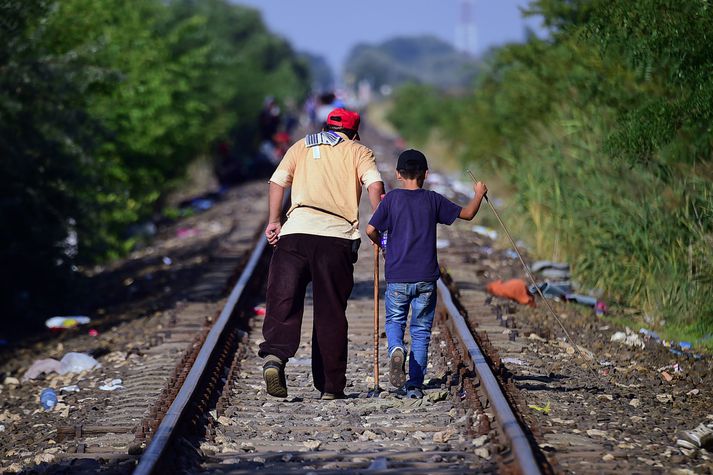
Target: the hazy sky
(332, 28)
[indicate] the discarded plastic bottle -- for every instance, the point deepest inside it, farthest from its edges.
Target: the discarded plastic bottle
(48, 399)
(384, 239)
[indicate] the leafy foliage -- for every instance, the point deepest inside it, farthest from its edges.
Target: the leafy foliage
(103, 104)
(605, 129)
(417, 113)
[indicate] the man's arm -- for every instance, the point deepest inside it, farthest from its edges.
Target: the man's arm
(469, 211)
(276, 194)
(376, 192)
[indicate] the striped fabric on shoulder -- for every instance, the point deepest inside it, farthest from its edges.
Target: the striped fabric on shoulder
(322, 138)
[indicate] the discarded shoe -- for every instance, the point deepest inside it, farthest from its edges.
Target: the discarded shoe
(397, 373)
(699, 438)
(274, 374)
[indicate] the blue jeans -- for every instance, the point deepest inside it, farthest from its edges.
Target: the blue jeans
(421, 297)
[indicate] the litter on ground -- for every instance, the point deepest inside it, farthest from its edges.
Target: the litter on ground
(62, 323)
(111, 385)
(628, 338)
(487, 232)
(513, 289)
(543, 409)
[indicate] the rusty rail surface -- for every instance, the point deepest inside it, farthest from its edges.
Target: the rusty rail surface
(162, 437)
(522, 451)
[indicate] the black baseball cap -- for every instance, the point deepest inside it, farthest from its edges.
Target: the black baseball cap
(412, 160)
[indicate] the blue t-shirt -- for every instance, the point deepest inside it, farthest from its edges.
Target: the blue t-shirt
(410, 217)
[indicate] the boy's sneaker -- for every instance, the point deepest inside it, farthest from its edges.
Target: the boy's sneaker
(273, 372)
(397, 372)
(699, 438)
(414, 393)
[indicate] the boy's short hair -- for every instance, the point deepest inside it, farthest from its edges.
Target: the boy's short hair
(412, 164)
(412, 174)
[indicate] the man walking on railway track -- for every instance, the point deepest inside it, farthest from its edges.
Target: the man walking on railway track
(410, 215)
(318, 243)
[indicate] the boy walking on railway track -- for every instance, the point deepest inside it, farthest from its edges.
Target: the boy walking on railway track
(409, 215)
(318, 243)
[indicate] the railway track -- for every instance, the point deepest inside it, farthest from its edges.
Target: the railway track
(194, 399)
(464, 424)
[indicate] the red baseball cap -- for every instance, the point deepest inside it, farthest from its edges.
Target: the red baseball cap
(344, 118)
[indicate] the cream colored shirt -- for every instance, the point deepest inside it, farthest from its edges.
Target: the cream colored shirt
(326, 177)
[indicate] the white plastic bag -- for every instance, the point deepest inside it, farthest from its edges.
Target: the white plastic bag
(76, 363)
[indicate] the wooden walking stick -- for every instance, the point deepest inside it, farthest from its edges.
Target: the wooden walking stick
(374, 392)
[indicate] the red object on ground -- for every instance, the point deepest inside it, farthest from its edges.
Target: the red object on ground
(513, 289)
(93, 332)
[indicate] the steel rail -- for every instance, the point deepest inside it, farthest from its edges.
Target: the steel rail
(163, 434)
(524, 456)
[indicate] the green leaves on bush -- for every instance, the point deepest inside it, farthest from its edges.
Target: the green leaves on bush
(103, 103)
(606, 131)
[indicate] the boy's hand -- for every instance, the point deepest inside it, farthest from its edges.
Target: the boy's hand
(480, 189)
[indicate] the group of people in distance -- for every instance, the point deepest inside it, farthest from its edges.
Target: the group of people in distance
(319, 241)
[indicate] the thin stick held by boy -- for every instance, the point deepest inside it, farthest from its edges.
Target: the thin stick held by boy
(409, 215)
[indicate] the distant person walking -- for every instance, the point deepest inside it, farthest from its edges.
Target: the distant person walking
(327, 103)
(318, 243)
(410, 215)
(269, 119)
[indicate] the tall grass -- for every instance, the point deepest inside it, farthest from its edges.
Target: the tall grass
(640, 235)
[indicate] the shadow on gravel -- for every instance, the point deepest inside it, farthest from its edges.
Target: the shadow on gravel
(546, 387)
(134, 289)
(542, 379)
(467, 285)
(364, 290)
(175, 268)
(549, 383)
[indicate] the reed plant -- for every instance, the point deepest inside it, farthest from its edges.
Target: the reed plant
(639, 236)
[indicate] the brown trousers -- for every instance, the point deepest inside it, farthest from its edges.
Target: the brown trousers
(326, 262)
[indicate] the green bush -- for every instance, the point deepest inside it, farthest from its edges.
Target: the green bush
(103, 104)
(625, 229)
(605, 131)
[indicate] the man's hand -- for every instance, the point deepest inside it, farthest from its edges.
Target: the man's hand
(272, 233)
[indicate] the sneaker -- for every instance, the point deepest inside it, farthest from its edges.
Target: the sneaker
(699, 438)
(397, 372)
(414, 393)
(332, 396)
(273, 372)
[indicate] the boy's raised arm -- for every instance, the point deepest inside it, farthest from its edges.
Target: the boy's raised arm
(471, 209)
